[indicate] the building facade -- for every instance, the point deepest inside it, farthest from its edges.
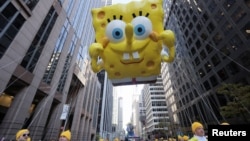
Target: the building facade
(45, 71)
(157, 115)
(142, 117)
(212, 47)
(120, 131)
(104, 128)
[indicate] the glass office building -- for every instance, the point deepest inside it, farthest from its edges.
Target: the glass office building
(212, 48)
(46, 82)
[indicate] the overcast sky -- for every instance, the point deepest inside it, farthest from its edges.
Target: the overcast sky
(128, 93)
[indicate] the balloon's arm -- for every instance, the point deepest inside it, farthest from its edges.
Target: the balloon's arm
(94, 51)
(168, 39)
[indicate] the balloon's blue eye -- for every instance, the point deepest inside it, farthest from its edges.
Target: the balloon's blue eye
(142, 27)
(139, 29)
(117, 33)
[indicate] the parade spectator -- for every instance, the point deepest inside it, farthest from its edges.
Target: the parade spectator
(224, 123)
(180, 138)
(65, 136)
(23, 135)
(198, 131)
(185, 138)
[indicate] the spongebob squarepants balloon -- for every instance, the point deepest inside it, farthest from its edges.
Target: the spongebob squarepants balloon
(129, 42)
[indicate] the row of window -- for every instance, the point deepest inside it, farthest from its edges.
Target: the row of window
(160, 109)
(159, 103)
(160, 115)
(11, 22)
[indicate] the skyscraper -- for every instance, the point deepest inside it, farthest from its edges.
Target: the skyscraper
(212, 43)
(157, 115)
(45, 71)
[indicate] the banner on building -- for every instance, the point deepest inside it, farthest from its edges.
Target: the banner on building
(65, 112)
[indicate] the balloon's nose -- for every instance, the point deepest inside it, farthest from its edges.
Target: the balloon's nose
(129, 33)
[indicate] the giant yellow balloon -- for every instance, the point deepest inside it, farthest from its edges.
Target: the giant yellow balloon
(129, 42)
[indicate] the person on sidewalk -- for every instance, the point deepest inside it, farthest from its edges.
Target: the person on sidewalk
(65, 136)
(180, 138)
(198, 131)
(23, 135)
(224, 123)
(185, 138)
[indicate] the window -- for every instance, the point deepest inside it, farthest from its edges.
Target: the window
(31, 3)
(184, 88)
(195, 93)
(194, 34)
(183, 25)
(36, 47)
(213, 80)
(205, 17)
(194, 18)
(186, 33)
(197, 61)
(181, 19)
(235, 42)
(228, 4)
(203, 55)
(217, 38)
(206, 85)
(208, 66)
(212, 6)
(222, 74)
(245, 59)
(204, 36)
(191, 95)
(178, 12)
(9, 11)
(215, 60)
(184, 12)
(238, 14)
(225, 51)
(190, 26)
(61, 1)
(187, 18)
(190, 41)
(208, 48)
(187, 85)
(227, 27)
(198, 44)
(198, 26)
(219, 16)
(191, 11)
(210, 27)
(193, 51)
(246, 30)
(232, 68)
(201, 73)
(182, 101)
(11, 22)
